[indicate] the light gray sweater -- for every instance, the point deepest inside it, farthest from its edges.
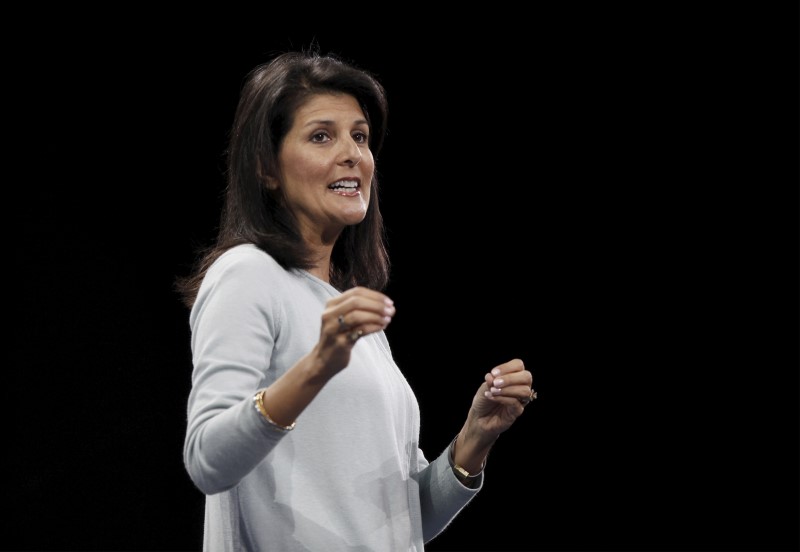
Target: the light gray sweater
(350, 476)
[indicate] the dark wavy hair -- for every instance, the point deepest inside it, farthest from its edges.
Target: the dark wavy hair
(271, 95)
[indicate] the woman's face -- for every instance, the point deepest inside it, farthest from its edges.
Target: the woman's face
(326, 166)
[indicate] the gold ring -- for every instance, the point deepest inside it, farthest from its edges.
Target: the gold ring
(532, 397)
(355, 334)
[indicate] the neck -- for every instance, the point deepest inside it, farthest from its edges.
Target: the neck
(322, 263)
(321, 273)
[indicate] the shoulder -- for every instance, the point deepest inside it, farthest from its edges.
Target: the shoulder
(244, 271)
(241, 279)
(243, 260)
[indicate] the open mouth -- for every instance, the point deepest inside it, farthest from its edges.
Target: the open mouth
(344, 186)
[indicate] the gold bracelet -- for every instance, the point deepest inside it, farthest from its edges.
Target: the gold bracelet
(463, 475)
(258, 401)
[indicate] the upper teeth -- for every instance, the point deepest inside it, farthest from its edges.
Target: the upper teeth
(344, 184)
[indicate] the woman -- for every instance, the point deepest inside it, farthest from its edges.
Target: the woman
(302, 432)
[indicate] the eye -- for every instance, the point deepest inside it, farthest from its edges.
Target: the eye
(360, 137)
(320, 137)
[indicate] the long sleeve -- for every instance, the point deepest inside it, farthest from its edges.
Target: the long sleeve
(234, 324)
(351, 475)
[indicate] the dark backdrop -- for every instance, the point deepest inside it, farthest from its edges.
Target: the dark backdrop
(600, 199)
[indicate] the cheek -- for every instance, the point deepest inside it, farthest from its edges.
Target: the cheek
(369, 159)
(368, 166)
(299, 168)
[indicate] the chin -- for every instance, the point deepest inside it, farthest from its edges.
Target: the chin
(351, 219)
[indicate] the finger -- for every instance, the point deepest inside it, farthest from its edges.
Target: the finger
(514, 365)
(510, 380)
(366, 302)
(503, 389)
(513, 371)
(367, 321)
(524, 379)
(357, 299)
(359, 312)
(357, 332)
(358, 291)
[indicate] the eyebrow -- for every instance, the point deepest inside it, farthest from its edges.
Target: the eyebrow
(328, 122)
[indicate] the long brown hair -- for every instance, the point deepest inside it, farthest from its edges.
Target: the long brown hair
(271, 94)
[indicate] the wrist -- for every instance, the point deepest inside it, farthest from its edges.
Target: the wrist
(466, 478)
(258, 403)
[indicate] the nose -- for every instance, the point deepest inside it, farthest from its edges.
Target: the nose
(352, 153)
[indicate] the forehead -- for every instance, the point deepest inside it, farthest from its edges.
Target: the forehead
(340, 108)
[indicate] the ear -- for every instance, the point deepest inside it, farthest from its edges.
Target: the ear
(272, 183)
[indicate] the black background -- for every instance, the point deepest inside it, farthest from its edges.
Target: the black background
(610, 196)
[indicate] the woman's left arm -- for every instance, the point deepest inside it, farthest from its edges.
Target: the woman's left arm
(500, 400)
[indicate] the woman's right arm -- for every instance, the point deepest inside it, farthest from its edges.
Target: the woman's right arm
(234, 324)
